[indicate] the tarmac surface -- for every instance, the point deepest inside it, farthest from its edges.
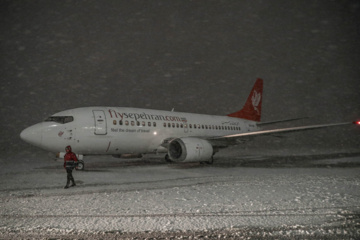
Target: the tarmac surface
(246, 197)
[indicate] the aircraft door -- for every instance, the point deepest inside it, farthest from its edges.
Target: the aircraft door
(100, 122)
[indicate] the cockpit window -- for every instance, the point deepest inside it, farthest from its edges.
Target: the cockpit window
(60, 119)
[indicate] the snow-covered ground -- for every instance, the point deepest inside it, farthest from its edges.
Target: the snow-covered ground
(193, 57)
(115, 197)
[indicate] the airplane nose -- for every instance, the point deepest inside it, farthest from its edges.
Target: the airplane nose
(32, 135)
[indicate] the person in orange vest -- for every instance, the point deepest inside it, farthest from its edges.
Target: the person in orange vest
(70, 162)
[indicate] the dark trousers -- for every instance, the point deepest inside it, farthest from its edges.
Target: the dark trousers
(69, 177)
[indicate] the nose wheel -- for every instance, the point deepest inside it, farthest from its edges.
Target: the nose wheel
(211, 161)
(80, 165)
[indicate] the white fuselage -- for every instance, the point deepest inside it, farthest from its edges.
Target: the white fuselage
(118, 130)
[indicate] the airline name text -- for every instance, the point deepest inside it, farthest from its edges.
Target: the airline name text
(144, 116)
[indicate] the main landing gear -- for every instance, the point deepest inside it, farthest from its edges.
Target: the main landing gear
(210, 162)
(167, 158)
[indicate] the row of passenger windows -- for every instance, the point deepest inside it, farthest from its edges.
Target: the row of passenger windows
(133, 123)
(177, 125)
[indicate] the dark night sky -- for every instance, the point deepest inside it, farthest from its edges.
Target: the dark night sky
(195, 56)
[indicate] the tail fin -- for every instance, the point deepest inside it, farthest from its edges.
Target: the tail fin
(252, 108)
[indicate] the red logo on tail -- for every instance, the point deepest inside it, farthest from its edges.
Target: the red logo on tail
(252, 108)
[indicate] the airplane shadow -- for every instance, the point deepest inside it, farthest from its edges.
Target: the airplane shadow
(340, 160)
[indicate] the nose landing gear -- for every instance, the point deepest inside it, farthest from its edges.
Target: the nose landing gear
(80, 166)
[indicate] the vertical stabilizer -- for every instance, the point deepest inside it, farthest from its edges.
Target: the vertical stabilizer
(252, 108)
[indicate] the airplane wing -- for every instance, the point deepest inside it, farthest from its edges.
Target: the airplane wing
(280, 121)
(233, 139)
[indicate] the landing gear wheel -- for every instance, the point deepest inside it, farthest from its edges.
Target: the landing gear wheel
(167, 158)
(80, 166)
(210, 162)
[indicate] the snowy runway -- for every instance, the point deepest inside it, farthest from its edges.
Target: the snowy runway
(138, 196)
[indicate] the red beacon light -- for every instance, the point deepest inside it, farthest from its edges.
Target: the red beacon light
(357, 122)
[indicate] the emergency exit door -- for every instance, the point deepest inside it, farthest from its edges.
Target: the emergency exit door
(100, 122)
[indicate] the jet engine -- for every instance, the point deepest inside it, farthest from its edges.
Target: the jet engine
(190, 150)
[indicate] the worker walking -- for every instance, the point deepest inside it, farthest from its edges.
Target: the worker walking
(70, 162)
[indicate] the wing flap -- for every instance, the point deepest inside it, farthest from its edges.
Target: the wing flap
(280, 121)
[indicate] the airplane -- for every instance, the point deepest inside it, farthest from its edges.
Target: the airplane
(184, 137)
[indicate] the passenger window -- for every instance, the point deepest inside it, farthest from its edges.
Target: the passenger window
(143, 123)
(165, 124)
(154, 124)
(173, 125)
(149, 124)
(127, 123)
(169, 125)
(120, 122)
(181, 125)
(177, 125)
(132, 123)
(114, 122)
(190, 125)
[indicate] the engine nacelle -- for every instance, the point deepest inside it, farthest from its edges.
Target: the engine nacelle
(190, 150)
